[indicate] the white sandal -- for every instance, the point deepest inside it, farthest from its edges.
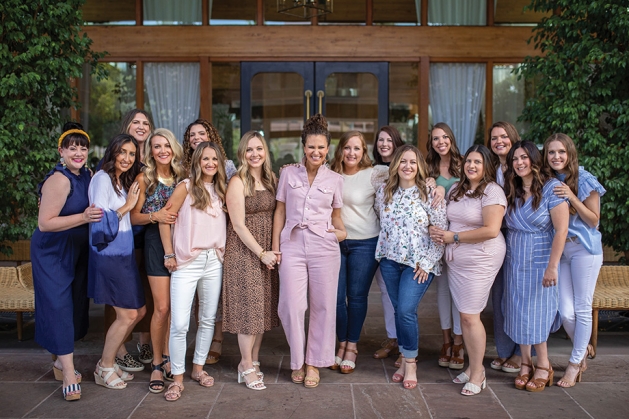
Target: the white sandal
(461, 379)
(260, 373)
(103, 381)
(254, 385)
(473, 388)
(124, 376)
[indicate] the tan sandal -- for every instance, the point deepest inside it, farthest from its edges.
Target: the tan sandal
(212, 356)
(297, 376)
(203, 378)
(456, 362)
(525, 378)
(350, 366)
(388, 347)
(445, 355)
(174, 392)
(311, 381)
(337, 359)
(539, 384)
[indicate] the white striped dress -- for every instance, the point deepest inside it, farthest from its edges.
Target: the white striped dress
(529, 308)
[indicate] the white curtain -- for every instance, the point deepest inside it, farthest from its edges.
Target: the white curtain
(186, 12)
(509, 95)
(173, 94)
(457, 12)
(456, 98)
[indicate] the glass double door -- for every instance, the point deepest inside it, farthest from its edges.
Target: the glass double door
(278, 97)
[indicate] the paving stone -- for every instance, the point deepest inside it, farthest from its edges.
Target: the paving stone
(388, 401)
(15, 367)
(195, 402)
(601, 400)
(15, 404)
(446, 401)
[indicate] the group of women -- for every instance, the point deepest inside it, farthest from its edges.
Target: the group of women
(228, 235)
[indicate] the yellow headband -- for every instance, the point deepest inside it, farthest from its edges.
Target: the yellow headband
(73, 131)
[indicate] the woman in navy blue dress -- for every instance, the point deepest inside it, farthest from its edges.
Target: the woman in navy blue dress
(59, 257)
(113, 274)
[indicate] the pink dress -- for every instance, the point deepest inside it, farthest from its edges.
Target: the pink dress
(473, 267)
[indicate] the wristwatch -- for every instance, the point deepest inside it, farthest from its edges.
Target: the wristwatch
(456, 238)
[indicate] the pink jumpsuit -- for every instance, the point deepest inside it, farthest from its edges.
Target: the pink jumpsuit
(311, 261)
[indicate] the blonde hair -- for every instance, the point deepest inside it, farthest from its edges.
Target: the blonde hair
(337, 162)
(268, 177)
(200, 196)
(394, 179)
(150, 166)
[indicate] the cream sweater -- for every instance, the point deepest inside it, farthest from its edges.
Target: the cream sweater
(359, 194)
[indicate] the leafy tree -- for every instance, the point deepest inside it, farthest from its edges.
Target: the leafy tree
(41, 50)
(583, 91)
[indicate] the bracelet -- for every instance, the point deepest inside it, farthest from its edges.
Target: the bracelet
(169, 256)
(261, 255)
(119, 215)
(151, 218)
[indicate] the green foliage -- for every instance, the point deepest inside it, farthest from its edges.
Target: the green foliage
(583, 91)
(41, 49)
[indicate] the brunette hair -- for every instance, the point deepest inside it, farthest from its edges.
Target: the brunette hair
(268, 177)
(75, 138)
(337, 162)
(572, 163)
(212, 135)
(200, 196)
(127, 119)
(514, 189)
(420, 178)
(315, 125)
(395, 136)
(150, 166)
(433, 158)
(109, 162)
(510, 130)
(489, 175)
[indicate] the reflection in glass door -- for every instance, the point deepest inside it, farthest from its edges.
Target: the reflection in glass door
(277, 98)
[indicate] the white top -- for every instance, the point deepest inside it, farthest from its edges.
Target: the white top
(359, 194)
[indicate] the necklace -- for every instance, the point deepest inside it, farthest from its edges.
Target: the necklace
(166, 181)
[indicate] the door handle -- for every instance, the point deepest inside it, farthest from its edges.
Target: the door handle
(308, 94)
(320, 95)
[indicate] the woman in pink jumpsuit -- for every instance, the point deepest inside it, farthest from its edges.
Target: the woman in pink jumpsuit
(307, 228)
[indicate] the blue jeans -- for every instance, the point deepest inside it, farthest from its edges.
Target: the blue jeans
(405, 293)
(358, 266)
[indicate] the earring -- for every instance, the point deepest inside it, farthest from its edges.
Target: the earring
(63, 163)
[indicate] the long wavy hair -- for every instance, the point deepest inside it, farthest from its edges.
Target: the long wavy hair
(337, 162)
(129, 116)
(109, 162)
(268, 178)
(395, 136)
(572, 164)
(489, 175)
(212, 135)
(514, 188)
(150, 166)
(433, 158)
(510, 130)
(394, 179)
(200, 196)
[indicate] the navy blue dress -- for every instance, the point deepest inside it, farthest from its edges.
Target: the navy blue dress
(60, 261)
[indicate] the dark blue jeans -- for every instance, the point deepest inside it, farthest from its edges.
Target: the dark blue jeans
(358, 266)
(405, 293)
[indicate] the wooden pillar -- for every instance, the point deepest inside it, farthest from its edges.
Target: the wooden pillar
(205, 12)
(424, 88)
(369, 17)
(139, 84)
(260, 13)
(490, 12)
(206, 88)
(423, 19)
(139, 12)
(489, 97)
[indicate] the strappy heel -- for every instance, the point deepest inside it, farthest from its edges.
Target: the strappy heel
(444, 358)
(168, 375)
(157, 386)
(102, 376)
(337, 359)
(524, 377)
(258, 372)
(212, 356)
(457, 363)
(348, 363)
(539, 384)
(72, 392)
(59, 374)
(253, 385)
(577, 378)
(409, 384)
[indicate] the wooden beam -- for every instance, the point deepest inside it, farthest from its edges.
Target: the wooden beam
(205, 73)
(489, 97)
(139, 85)
(291, 42)
(139, 13)
(424, 101)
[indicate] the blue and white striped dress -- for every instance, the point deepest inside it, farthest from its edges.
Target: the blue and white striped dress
(113, 276)
(529, 308)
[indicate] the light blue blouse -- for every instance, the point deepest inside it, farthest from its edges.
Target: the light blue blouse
(589, 237)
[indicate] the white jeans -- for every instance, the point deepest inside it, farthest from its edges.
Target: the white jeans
(448, 314)
(205, 275)
(578, 274)
(387, 307)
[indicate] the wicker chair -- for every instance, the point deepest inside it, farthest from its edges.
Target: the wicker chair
(612, 293)
(16, 292)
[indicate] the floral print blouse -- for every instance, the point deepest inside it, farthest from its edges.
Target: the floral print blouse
(404, 223)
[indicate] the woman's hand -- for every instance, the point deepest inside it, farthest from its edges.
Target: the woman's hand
(132, 196)
(92, 214)
(431, 183)
(269, 259)
(420, 274)
(440, 236)
(564, 191)
(340, 234)
(278, 255)
(165, 216)
(550, 277)
(170, 264)
(438, 194)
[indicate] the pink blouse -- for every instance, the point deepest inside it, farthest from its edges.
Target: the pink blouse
(309, 206)
(197, 230)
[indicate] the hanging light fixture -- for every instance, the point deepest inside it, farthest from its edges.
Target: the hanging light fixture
(306, 9)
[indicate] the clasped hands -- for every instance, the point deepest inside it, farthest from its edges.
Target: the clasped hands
(440, 236)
